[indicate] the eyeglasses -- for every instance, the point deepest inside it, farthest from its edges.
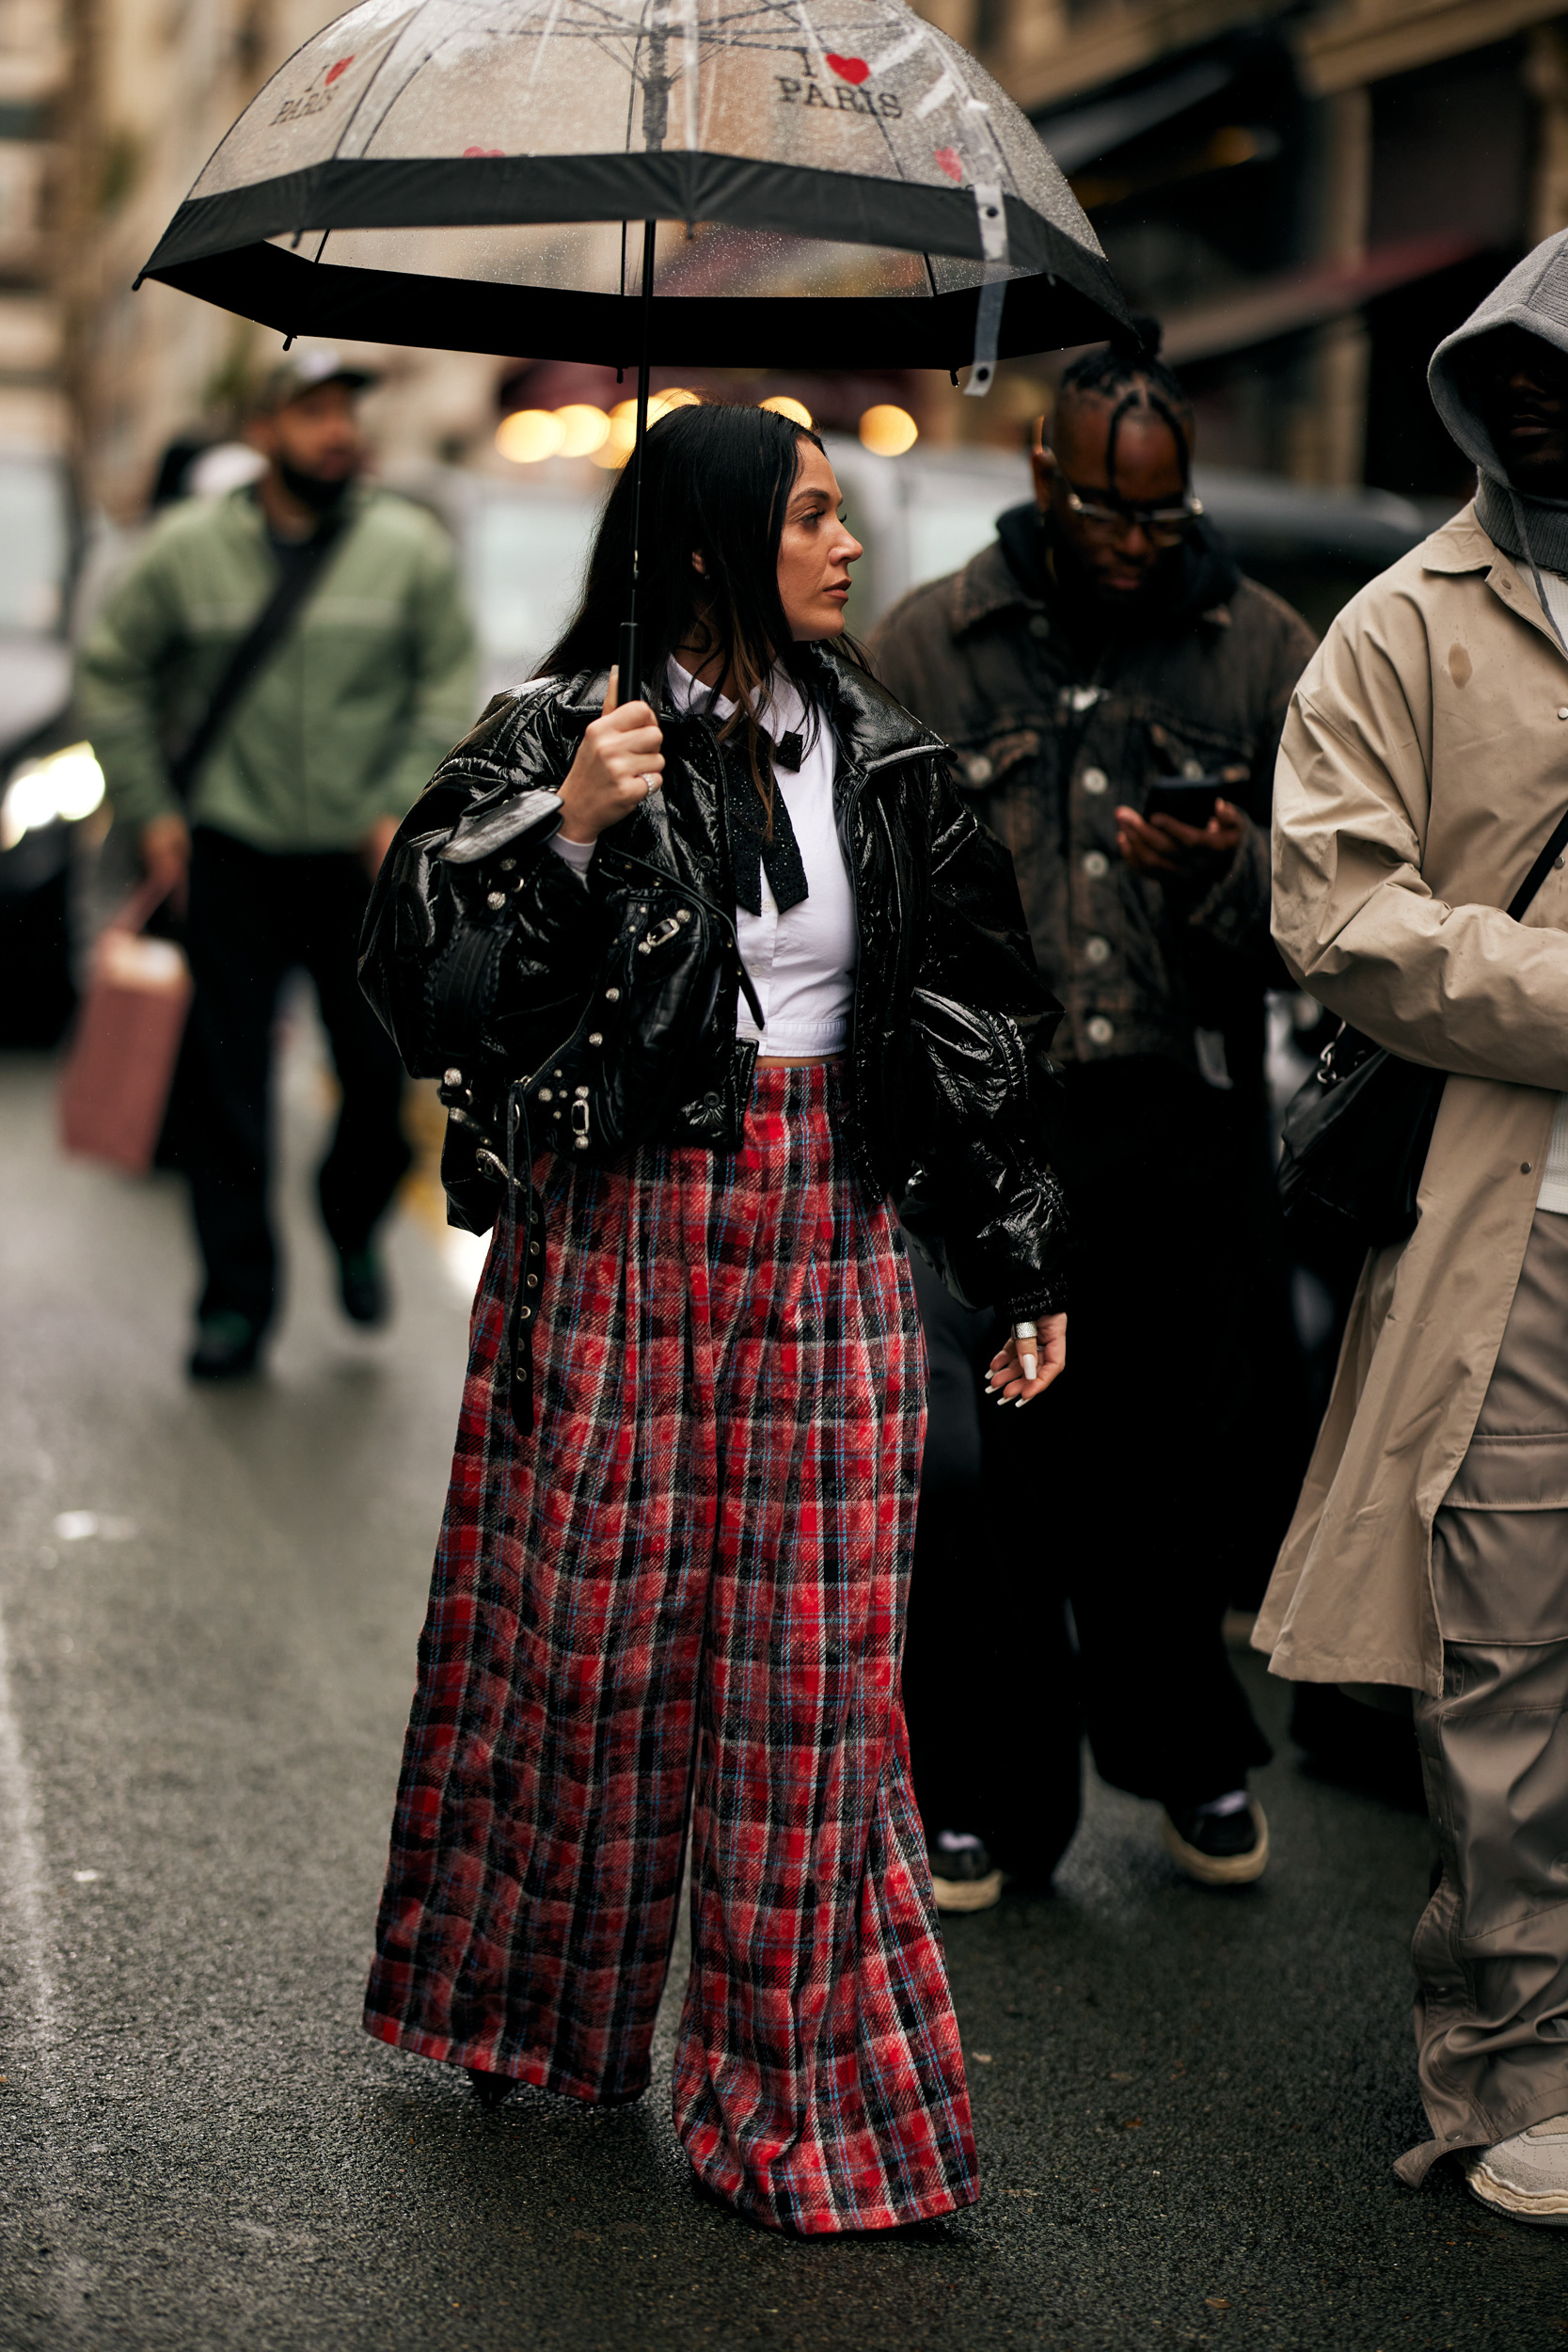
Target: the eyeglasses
(1102, 511)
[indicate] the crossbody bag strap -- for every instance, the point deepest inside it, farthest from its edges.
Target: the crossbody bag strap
(1553, 851)
(1538, 871)
(265, 634)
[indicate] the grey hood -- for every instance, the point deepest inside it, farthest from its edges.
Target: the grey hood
(1534, 295)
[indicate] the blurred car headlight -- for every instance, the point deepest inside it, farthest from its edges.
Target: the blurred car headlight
(63, 787)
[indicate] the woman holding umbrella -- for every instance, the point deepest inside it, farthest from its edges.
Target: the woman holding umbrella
(738, 955)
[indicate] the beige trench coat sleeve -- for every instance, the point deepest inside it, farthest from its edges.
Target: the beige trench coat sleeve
(1422, 767)
(1458, 987)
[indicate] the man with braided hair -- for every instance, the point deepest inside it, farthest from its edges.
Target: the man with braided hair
(1097, 669)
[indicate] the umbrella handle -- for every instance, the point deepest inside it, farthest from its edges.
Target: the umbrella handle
(631, 661)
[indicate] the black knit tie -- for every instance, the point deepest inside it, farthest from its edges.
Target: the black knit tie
(752, 853)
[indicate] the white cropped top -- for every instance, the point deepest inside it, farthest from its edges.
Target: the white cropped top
(802, 962)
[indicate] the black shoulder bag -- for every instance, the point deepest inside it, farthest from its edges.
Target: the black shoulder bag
(1357, 1131)
(266, 632)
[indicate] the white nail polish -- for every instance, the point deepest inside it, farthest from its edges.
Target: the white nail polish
(1028, 1367)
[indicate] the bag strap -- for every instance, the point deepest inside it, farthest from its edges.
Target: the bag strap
(1538, 871)
(1543, 864)
(140, 907)
(265, 634)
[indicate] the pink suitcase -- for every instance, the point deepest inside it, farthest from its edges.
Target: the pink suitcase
(115, 1085)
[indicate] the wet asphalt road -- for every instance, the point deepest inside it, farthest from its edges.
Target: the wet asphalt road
(1187, 2104)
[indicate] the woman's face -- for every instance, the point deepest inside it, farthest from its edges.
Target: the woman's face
(816, 551)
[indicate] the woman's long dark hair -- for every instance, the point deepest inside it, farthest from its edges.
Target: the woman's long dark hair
(716, 483)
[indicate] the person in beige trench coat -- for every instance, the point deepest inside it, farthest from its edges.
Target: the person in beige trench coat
(1423, 766)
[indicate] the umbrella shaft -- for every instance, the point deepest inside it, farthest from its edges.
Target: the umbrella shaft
(631, 649)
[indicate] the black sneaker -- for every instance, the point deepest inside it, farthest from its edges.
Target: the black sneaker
(964, 1876)
(1223, 1843)
(226, 1347)
(362, 1285)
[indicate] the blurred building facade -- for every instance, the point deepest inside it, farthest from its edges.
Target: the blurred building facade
(1309, 195)
(156, 83)
(35, 95)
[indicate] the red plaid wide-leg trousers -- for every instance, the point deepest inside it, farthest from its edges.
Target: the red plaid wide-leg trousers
(681, 1603)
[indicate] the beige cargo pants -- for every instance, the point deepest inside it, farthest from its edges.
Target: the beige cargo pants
(1491, 1950)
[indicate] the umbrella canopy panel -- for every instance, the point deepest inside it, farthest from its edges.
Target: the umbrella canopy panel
(838, 182)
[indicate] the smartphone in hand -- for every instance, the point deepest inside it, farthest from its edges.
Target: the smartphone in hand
(1189, 799)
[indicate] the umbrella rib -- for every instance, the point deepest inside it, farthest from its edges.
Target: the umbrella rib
(429, 58)
(375, 75)
(544, 34)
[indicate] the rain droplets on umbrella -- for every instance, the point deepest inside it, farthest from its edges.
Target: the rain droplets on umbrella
(836, 184)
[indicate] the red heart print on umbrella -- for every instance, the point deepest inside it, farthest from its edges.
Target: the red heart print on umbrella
(485, 150)
(848, 68)
(333, 71)
(951, 163)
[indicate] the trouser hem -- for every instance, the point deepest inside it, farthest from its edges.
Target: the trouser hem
(541, 2073)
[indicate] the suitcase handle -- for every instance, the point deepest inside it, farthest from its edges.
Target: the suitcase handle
(139, 908)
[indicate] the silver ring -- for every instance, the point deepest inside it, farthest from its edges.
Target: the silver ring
(1024, 1332)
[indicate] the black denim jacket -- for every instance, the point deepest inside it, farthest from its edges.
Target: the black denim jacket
(1048, 737)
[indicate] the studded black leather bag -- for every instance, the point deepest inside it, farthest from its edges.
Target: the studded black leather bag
(607, 1086)
(611, 1082)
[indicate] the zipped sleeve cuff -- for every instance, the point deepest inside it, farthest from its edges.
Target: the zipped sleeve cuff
(1051, 1302)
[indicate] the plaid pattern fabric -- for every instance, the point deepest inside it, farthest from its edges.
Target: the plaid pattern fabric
(682, 1599)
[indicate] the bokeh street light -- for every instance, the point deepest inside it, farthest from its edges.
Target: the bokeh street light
(622, 425)
(528, 434)
(795, 410)
(887, 431)
(62, 788)
(583, 429)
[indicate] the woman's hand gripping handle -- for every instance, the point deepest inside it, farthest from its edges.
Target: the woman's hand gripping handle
(1034, 1355)
(619, 762)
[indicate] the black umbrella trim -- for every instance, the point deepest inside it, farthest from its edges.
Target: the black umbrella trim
(844, 207)
(287, 291)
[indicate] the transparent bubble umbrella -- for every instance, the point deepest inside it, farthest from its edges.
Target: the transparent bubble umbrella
(732, 182)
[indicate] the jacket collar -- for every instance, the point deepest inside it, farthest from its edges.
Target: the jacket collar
(243, 508)
(989, 586)
(1461, 546)
(986, 585)
(873, 729)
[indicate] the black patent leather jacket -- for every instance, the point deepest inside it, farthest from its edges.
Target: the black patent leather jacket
(950, 1103)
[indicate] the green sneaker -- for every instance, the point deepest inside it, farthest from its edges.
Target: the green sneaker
(362, 1285)
(226, 1347)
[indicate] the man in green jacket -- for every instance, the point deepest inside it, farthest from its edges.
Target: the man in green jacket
(321, 752)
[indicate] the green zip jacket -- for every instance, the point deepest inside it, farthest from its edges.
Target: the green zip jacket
(374, 682)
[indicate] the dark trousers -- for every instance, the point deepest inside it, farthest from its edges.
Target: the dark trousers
(254, 915)
(990, 1691)
(1125, 1491)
